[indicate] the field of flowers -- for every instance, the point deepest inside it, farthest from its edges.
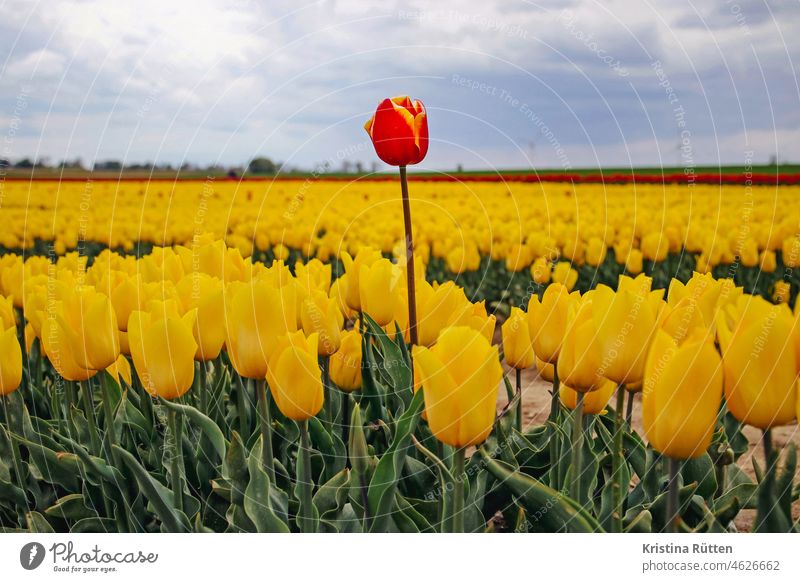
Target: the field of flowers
(235, 356)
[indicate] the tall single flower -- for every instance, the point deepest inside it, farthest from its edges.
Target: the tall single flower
(399, 131)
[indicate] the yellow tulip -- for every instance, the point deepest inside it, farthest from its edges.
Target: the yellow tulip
(463, 258)
(579, 358)
(378, 290)
(518, 258)
(459, 376)
(633, 263)
(319, 314)
(768, 261)
(435, 308)
(517, 348)
(294, 376)
(314, 275)
(593, 402)
(654, 246)
(682, 394)
(547, 321)
(337, 293)
(756, 339)
(547, 371)
(345, 365)
(163, 348)
(595, 251)
(748, 253)
(205, 294)
(58, 348)
(541, 271)
(126, 298)
(564, 274)
(88, 322)
(625, 322)
(781, 291)
(681, 318)
(10, 361)
(121, 370)
(8, 317)
(365, 256)
(791, 252)
(257, 315)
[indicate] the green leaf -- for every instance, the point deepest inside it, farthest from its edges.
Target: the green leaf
(786, 480)
(383, 485)
(71, 506)
(204, 423)
(159, 496)
(37, 523)
(94, 525)
(331, 497)
(264, 503)
(234, 469)
(702, 471)
(548, 510)
(54, 467)
(642, 522)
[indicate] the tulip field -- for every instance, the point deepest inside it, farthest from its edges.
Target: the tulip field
(242, 356)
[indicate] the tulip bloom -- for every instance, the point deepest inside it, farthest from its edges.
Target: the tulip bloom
(593, 402)
(319, 314)
(10, 361)
(205, 294)
(595, 251)
(460, 376)
(547, 371)
(294, 377)
(378, 290)
(163, 348)
(541, 271)
(580, 359)
(87, 323)
(517, 348)
(399, 131)
(625, 322)
(564, 274)
(345, 369)
(682, 394)
(257, 315)
(547, 321)
(352, 267)
(756, 339)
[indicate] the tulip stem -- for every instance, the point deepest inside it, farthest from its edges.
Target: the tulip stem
(202, 387)
(346, 420)
(768, 482)
(306, 521)
(177, 458)
(673, 511)
(108, 410)
(629, 410)
(519, 403)
(553, 436)
(577, 446)
(16, 458)
(458, 491)
(266, 430)
(241, 405)
(616, 463)
(328, 414)
(88, 406)
(410, 272)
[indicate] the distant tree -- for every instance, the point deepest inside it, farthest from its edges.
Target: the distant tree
(108, 165)
(773, 160)
(459, 168)
(25, 163)
(359, 168)
(4, 163)
(76, 164)
(262, 166)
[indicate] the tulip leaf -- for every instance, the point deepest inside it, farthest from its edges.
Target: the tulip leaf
(71, 506)
(208, 427)
(12, 493)
(159, 496)
(407, 518)
(702, 471)
(641, 522)
(395, 364)
(548, 510)
(264, 504)
(54, 467)
(37, 523)
(330, 445)
(383, 485)
(446, 486)
(94, 525)
(331, 497)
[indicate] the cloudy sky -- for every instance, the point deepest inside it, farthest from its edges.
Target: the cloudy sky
(507, 83)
